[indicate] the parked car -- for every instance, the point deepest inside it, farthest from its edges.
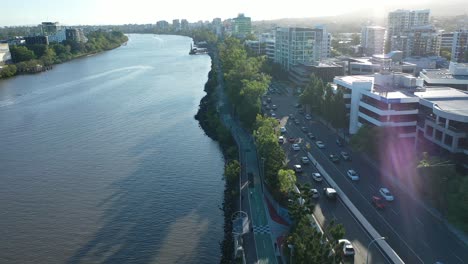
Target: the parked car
(310, 135)
(386, 194)
(304, 129)
(296, 147)
(317, 177)
(330, 193)
(319, 144)
(308, 117)
(314, 193)
(339, 142)
(348, 249)
(345, 155)
(378, 202)
(352, 174)
(297, 168)
(282, 129)
(334, 158)
(305, 160)
(291, 140)
(281, 139)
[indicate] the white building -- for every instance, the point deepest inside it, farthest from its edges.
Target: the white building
(460, 46)
(372, 40)
(5, 55)
(295, 45)
(446, 40)
(403, 20)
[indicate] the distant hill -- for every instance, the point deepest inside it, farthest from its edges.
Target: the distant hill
(449, 14)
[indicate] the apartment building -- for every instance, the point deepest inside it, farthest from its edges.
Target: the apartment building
(418, 41)
(242, 26)
(294, 45)
(300, 74)
(446, 40)
(460, 46)
(372, 40)
(402, 20)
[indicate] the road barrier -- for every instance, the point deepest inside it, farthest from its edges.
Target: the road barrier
(384, 246)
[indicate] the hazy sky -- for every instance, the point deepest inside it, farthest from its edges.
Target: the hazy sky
(72, 12)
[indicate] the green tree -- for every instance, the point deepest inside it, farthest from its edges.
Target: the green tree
(287, 180)
(446, 53)
(232, 171)
(21, 53)
(7, 71)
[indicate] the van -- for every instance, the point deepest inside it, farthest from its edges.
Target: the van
(330, 193)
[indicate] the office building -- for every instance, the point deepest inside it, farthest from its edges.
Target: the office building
(460, 46)
(36, 40)
(374, 64)
(162, 25)
(294, 45)
(184, 24)
(50, 28)
(456, 76)
(59, 36)
(446, 40)
(75, 34)
(300, 74)
(242, 26)
(372, 40)
(176, 25)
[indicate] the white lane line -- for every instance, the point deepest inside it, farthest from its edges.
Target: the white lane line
(425, 244)
(461, 260)
(417, 219)
(372, 188)
(394, 212)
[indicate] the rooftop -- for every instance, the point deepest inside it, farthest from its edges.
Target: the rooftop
(355, 78)
(442, 74)
(447, 99)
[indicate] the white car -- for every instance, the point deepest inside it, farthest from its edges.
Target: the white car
(320, 144)
(352, 174)
(386, 194)
(305, 160)
(297, 168)
(308, 117)
(281, 139)
(317, 177)
(348, 249)
(273, 115)
(296, 147)
(282, 129)
(314, 193)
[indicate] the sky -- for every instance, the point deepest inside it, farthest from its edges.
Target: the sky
(99, 12)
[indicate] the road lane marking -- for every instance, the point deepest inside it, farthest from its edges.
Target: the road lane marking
(461, 260)
(417, 219)
(394, 212)
(371, 188)
(425, 244)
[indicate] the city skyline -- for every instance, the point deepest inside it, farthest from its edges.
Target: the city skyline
(89, 12)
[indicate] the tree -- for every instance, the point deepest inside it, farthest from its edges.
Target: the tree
(232, 171)
(446, 53)
(7, 71)
(287, 180)
(21, 53)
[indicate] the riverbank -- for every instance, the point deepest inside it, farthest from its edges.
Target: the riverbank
(210, 121)
(30, 59)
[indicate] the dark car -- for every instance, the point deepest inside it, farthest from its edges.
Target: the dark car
(339, 142)
(345, 155)
(298, 105)
(378, 202)
(334, 158)
(291, 140)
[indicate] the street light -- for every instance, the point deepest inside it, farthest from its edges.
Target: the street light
(291, 248)
(375, 239)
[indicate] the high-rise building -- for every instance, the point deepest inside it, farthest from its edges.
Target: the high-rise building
(50, 28)
(446, 40)
(176, 24)
(184, 24)
(242, 26)
(162, 25)
(418, 41)
(294, 45)
(460, 46)
(372, 40)
(400, 21)
(75, 34)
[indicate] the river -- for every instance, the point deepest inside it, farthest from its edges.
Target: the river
(101, 160)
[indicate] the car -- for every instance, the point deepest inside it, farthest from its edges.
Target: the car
(296, 147)
(282, 129)
(386, 194)
(297, 122)
(314, 193)
(291, 140)
(352, 174)
(273, 115)
(281, 139)
(348, 249)
(339, 142)
(269, 100)
(305, 160)
(345, 155)
(301, 111)
(310, 135)
(319, 144)
(304, 129)
(264, 103)
(297, 168)
(308, 117)
(297, 105)
(334, 158)
(267, 107)
(317, 177)
(378, 202)
(274, 107)
(330, 193)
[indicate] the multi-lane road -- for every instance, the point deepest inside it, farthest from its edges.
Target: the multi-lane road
(411, 231)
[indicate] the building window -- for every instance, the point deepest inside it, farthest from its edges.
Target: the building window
(442, 121)
(448, 140)
(438, 135)
(429, 131)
